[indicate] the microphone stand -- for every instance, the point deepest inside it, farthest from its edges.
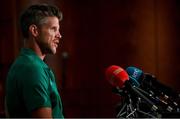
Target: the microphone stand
(127, 108)
(168, 108)
(130, 109)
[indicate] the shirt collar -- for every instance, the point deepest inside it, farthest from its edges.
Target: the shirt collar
(31, 54)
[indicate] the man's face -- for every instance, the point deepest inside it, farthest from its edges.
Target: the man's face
(49, 35)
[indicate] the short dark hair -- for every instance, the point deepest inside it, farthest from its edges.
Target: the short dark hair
(35, 13)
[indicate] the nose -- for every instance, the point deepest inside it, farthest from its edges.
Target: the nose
(58, 35)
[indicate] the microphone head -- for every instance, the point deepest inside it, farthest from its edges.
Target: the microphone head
(135, 75)
(116, 76)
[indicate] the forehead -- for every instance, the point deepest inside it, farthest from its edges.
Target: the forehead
(51, 21)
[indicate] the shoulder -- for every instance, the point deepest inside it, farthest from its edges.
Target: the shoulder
(28, 70)
(25, 64)
(33, 77)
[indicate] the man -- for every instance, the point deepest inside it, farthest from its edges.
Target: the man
(31, 90)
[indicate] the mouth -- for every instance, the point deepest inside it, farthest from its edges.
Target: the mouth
(55, 43)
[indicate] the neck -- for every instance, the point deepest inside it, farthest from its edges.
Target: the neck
(32, 44)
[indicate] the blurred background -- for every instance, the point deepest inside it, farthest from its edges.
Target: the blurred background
(97, 34)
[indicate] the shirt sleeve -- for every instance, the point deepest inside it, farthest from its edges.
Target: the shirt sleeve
(35, 89)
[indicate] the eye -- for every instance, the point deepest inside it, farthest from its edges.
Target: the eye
(54, 29)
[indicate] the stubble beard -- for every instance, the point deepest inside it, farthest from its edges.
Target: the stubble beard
(47, 48)
(50, 49)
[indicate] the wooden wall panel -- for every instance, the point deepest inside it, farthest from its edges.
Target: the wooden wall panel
(97, 34)
(105, 33)
(126, 33)
(168, 42)
(6, 46)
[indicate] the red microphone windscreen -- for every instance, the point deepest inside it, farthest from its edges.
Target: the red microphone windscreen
(116, 76)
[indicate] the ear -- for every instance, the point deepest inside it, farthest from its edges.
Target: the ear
(33, 30)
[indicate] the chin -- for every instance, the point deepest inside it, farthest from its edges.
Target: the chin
(53, 50)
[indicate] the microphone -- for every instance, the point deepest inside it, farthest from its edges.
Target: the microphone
(118, 77)
(151, 85)
(150, 82)
(147, 81)
(135, 75)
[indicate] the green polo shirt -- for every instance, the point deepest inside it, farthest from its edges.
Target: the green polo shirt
(30, 85)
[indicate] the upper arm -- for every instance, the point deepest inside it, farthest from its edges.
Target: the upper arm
(35, 93)
(43, 112)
